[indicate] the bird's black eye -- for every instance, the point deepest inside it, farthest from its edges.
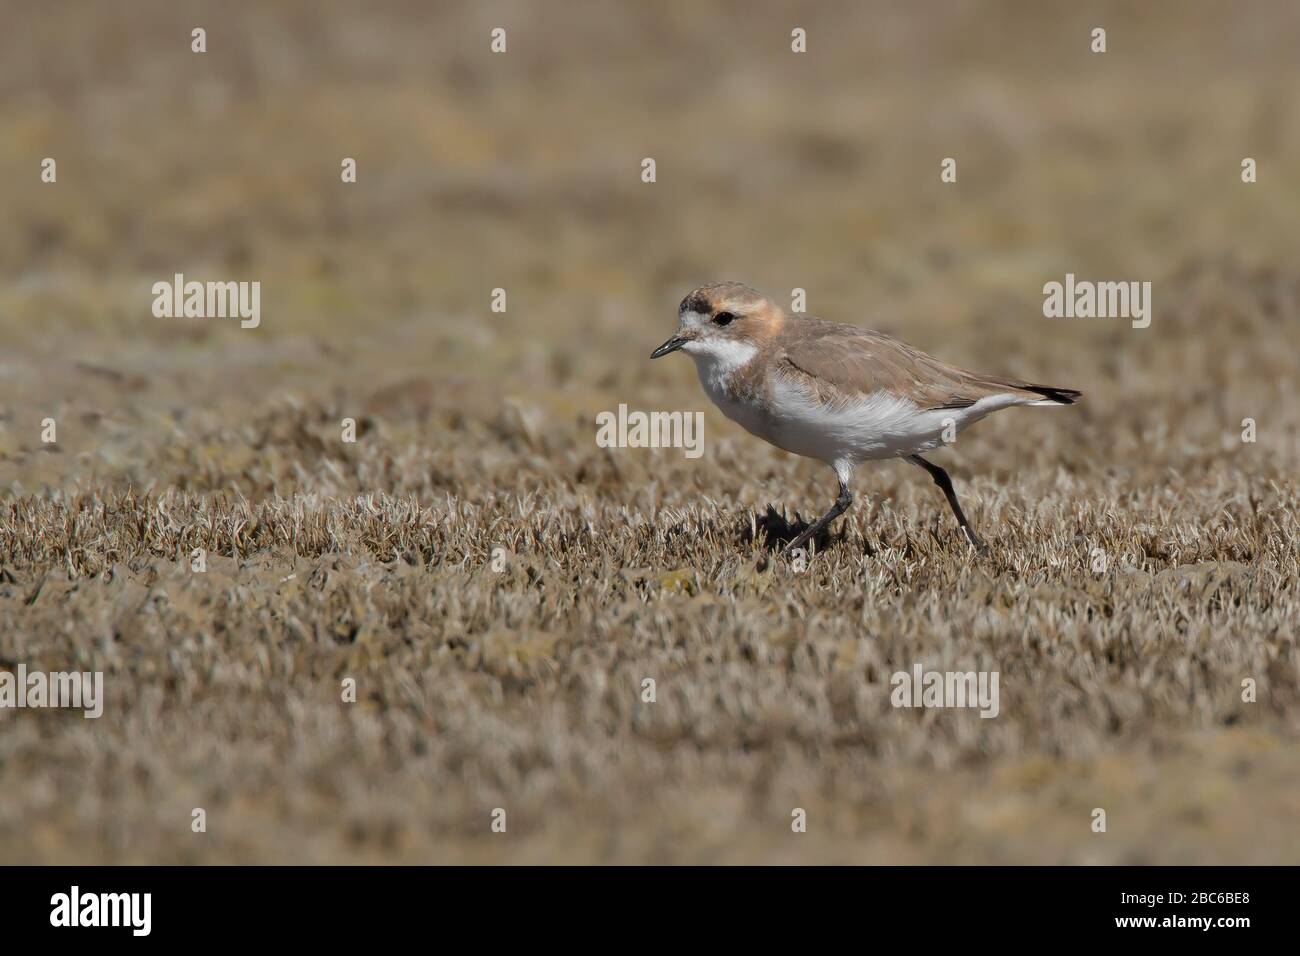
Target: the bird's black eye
(723, 318)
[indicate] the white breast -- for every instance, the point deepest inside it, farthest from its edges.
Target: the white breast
(716, 362)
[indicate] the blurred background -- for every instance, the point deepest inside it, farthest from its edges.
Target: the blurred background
(522, 171)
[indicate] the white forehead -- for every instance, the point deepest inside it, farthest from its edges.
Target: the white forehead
(693, 320)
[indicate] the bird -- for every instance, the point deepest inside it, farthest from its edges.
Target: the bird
(839, 394)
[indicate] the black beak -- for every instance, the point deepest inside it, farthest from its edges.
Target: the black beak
(672, 345)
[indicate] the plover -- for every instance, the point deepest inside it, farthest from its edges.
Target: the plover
(837, 393)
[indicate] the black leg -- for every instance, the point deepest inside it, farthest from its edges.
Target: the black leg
(841, 505)
(945, 484)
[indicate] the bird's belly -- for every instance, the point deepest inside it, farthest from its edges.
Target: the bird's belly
(852, 429)
(863, 428)
(827, 433)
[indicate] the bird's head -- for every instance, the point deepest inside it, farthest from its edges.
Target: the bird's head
(722, 318)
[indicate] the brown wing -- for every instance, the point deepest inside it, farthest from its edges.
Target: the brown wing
(847, 359)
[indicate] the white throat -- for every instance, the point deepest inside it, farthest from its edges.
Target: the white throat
(717, 360)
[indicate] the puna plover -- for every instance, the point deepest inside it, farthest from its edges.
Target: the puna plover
(838, 393)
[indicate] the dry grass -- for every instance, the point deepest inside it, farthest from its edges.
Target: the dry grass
(522, 689)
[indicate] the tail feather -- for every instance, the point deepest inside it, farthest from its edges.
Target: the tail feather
(1058, 396)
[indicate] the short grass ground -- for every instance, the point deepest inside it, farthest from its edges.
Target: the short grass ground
(498, 586)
